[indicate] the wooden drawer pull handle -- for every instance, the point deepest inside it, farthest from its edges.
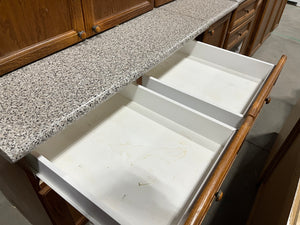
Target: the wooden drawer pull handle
(82, 35)
(247, 10)
(96, 28)
(219, 195)
(268, 100)
(211, 32)
(240, 33)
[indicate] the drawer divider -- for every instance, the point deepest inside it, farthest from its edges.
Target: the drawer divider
(213, 185)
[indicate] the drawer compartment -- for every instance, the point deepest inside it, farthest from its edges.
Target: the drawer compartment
(211, 80)
(138, 158)
(238, 34)
(243, 13)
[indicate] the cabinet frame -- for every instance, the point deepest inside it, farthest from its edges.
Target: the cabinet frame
(41, 49)
(93, 26)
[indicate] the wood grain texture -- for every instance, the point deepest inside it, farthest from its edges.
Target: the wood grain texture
(59, 211)
(107, 14)
(33, 29)
(279, 15)
(272, 18)
(294, 217)
(239, 34)
(275, 196)
(257, 105)
(216, 34)
(214, 183)
(266, 10)
(245, 11)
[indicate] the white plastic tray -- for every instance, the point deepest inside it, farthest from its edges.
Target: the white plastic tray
(139, 158)
(214, 81)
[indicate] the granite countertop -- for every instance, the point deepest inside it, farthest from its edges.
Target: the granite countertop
(40, 99)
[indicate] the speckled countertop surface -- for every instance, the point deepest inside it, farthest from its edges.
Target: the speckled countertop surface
(40, 99)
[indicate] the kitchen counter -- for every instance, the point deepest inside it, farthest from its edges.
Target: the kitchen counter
(40, 99)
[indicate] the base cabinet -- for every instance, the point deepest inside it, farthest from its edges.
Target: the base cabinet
(249, 26)
(215, 35)
(268, 18)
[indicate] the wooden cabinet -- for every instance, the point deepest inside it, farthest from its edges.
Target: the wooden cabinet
(216, 34)
(32, 29)
(240, 27)
(101, 15)
(277, 200)
(237, 38)
(250, 24)
(279, 14)
(243, 13)
(270, 12)
(232, 31)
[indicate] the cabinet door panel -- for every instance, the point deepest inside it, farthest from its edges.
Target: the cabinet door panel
(32, 29)
(279, 14)
(101, 15)
(272, 18)
(216, 34)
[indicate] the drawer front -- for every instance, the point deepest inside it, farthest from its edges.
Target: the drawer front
(216, 34)
(238, 34)
(243, 13)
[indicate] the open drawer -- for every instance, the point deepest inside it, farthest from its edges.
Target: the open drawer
(211, 80)
(138, 158)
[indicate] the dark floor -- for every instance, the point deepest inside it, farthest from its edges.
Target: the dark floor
(240, 185)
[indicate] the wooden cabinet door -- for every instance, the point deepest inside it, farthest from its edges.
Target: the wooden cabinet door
(279, 14)
(216, 34)
(273, 15)
(100, 15)
(32, 29)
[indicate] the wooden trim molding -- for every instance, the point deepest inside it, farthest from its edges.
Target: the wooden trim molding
(37, 51)
(28, 54)
(214, 183)
(105, 23)
(257, 105)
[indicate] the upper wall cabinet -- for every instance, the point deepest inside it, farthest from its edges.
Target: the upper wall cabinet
(32, 29)
(101, 15)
